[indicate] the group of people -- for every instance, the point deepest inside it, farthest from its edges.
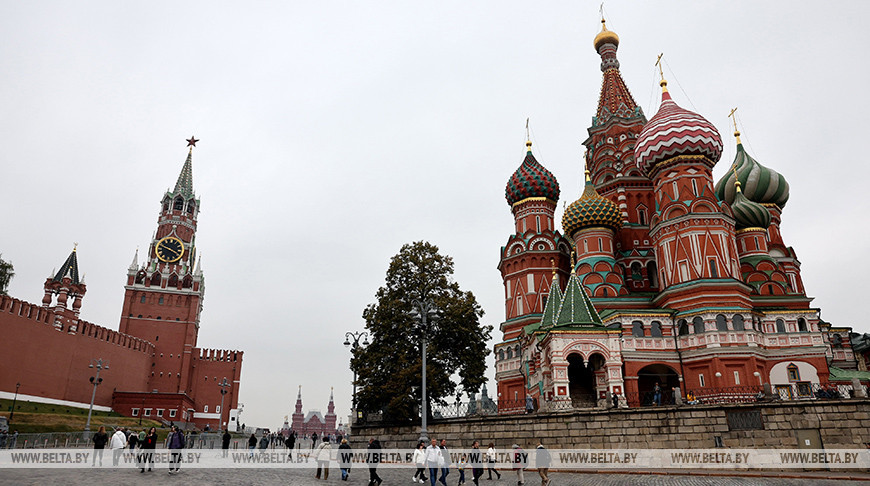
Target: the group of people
(142, 444)
(7, 439)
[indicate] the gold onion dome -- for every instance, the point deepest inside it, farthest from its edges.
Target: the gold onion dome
(605, 37)
(591, 210)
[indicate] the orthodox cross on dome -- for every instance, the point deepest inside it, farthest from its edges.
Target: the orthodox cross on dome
(734, 120)
(662, 83)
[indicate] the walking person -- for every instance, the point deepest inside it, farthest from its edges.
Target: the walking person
(445, 462)
(519, 463)
(176, 443)
(149, 443)
(373, 458)
(476, 463)
(225, 442)
(433, 460)
(542, 461)
(461, 466)
(490, 461)
(321, 455)
(252, 444)
(345, 457)
(313, 440)
(118, 443)
(133, 443)
(290, 442)
(101, 438)
(420, 462)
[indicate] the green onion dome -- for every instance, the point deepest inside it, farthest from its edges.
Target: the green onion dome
(748, 214)
(591, 210)
(531, 179)
(758, 183)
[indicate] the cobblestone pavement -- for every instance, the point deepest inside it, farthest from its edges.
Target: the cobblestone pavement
(391, 477)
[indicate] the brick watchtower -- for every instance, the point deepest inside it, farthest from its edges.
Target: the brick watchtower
(163, 296)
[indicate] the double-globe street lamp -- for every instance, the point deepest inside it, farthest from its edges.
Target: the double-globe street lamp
(224, 385)
(355, 336)
(95, 380)
(422, 309)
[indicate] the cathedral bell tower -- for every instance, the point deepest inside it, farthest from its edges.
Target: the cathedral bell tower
(163, 295)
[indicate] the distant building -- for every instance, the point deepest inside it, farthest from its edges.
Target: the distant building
(314, 421)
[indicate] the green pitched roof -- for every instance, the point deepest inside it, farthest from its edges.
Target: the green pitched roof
(554, 300)
(576, 308)
(841, 374)
(69, 268)
(184, 185)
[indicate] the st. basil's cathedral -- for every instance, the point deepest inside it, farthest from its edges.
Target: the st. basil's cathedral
(661, 275)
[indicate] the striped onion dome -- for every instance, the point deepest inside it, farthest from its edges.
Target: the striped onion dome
(758, 183)
(591, 210)
(675, 131)
(748, 214)
(531, 179)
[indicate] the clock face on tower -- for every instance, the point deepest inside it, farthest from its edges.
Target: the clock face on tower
(169, 249)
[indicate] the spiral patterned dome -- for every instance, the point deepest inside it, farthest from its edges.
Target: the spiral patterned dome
(531, 179)
(591, 210)
(758, 183)
(748, 214)
(675, 131)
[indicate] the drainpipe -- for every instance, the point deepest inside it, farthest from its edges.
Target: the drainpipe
(679, 354)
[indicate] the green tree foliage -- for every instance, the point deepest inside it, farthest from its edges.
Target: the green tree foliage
(389, 369)
(6, 274)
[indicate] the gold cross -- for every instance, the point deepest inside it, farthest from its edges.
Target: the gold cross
(659, 65)
(733, 118)
(528, 137)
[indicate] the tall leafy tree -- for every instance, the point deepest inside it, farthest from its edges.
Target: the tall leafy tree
(6, 274)
(389, 370)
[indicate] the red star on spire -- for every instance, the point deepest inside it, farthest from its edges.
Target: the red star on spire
(191, 142)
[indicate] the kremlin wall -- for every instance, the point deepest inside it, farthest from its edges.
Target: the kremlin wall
(155, 367)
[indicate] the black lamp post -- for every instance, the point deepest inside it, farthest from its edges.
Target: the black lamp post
(356, 336)
(12, 413)
(95, 380)
(224, 385)
(423, 308)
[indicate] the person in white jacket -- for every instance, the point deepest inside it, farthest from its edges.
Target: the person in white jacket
(117, 444)
(323, 454)
(420, 461)
(433, 460)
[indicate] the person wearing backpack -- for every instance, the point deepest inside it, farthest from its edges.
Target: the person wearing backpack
(176, 443)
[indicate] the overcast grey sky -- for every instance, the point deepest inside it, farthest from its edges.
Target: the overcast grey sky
(334, 132)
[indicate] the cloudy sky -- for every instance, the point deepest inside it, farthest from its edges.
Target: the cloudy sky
(334, 132)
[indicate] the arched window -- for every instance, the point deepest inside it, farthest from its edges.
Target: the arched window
(155, 279)
(802, 324)
(721, 323)
(187, 282)
(780, 325)
(737, 322)
(166, 204)
(614, 325)
(179, 204)
(140, 277)
(652, 273)
(793, 373)
(641, 216)
(683, 327)
(501, 354)
(604, 292)
(173, 280)
(637, 329)
(510, 353)
(698, 324)
(655, 329)
(635, 271)
(191, 206)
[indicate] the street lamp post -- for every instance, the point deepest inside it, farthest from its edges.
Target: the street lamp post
(356, 336)
(425, 307)
(96, 380)
(224, 385)
(12, 413)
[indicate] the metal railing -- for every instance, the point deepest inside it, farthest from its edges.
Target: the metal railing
(729, 394)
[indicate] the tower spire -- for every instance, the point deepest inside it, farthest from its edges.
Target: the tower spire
(184, 184)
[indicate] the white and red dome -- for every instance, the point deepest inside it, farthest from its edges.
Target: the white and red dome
(675, 131)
